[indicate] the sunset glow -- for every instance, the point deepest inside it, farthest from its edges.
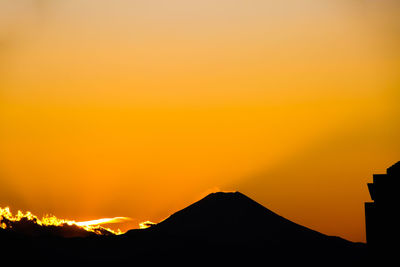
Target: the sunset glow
(6, 216)
(137, 108)
(103, 221)
(146, 224)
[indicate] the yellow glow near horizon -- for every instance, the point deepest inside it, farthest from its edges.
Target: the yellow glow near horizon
(6, 217)
(139, 107)
(145, 225)
(104, 221)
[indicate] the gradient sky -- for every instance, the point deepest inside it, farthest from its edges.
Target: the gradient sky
(139, 108)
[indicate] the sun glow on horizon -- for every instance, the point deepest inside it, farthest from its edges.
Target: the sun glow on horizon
(146, 224)
(6, 219)
(139, 108)
(103, 221)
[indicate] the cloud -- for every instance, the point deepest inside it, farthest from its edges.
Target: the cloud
(104, 221)
(31, 225)
(146, 224)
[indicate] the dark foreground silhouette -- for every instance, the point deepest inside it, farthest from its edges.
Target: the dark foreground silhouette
(221, 229)
(381, 217)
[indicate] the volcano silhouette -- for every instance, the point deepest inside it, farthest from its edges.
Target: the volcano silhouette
(234, 216)
(232, 228)
(220, 229)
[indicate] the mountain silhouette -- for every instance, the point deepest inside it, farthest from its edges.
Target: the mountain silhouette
(220, 229)
(234, 216)
(225, 224)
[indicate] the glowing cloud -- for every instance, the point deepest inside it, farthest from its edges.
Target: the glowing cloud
(146, 224)
(14, 222)
(104, 221)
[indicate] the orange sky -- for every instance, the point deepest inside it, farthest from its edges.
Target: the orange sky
(139, 108)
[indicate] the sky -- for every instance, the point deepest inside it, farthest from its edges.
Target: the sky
(139, 108)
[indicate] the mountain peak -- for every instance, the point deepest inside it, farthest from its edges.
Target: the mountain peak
(228, 203)
(232, 215)
(224, 195)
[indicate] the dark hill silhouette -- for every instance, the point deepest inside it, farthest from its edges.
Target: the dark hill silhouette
(220, 229)
(30, 228)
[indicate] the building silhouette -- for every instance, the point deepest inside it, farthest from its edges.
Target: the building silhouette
(381, 215)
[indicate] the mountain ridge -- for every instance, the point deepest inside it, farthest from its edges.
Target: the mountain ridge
(220, 229)
(234, 208)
